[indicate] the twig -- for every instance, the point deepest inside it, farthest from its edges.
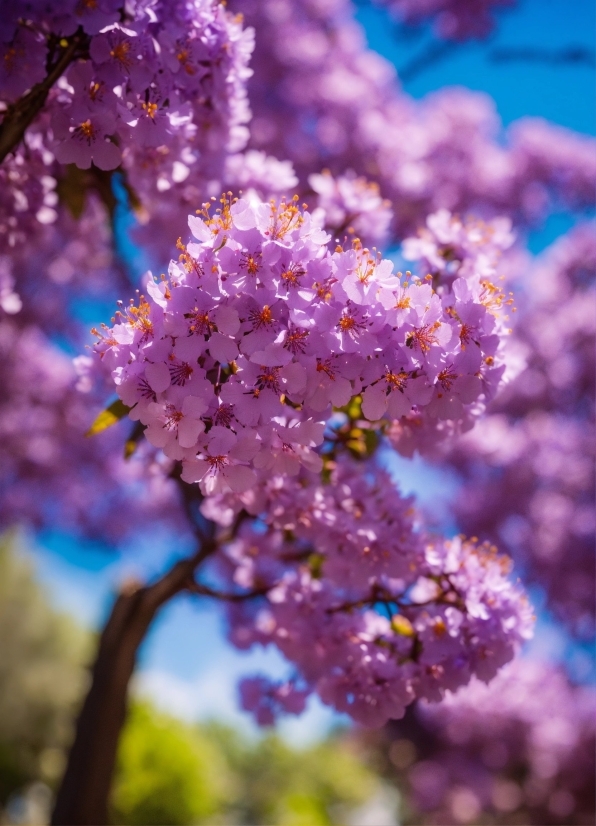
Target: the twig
(205, 590)
(19, 115)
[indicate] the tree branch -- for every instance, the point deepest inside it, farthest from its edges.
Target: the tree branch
(19, 115)
(228, 596)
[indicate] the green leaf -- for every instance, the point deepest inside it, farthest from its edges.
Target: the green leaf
(133, 440)
(112, 414)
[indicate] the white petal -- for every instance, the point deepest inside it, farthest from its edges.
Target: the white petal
(199, 228)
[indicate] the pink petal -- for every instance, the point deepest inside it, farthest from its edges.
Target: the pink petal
(194, 406)
(295, 376)
(222, 348)
(374, 402)
(158, 376)
(227, 320)
(340, 391)
(398, 404)
(240, 478)
(188, 431)
(193, 470)
(106, 155)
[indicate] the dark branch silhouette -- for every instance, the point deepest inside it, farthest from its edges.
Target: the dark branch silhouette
(432, 54)
(22, 113)
(569, 55)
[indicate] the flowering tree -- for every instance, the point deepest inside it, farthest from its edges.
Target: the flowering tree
(268, 375)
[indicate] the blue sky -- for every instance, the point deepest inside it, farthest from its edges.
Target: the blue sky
(563, 93)
(185, 663)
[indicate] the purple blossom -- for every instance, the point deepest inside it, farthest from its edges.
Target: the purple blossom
(522, 747)
(527, 471)
(260, 275)
(369, 612)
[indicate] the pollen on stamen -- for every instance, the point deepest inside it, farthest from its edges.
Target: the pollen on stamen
(189, 263)
(296, 340)
(199, 323)
(325, 367)
(261, 318)
(350, 323)
(396, 381)
(216, 463)
(180, 373)
(223, 415)
(86, 131)
(139, 318)
(173, 417)
(446, 378)
(150, 108)
(465, 335)
(423, 338)
(251, 262)
(284, 217)
(120, 53)
(269, 379)
(292, 275)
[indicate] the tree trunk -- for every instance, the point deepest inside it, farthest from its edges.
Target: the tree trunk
(84, 791)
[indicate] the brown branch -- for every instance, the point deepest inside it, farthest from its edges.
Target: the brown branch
(20, 115)
(228, 596)
(84, 791)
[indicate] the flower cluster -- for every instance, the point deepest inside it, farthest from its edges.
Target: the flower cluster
(158, 85)
(532, 459)
(255, 171)
(354, 205)
(521, 748)
(28, 195)
(234, 362)
(453, 252)
(449, 246)
(72, 260)
(53, 478)
(371, 613)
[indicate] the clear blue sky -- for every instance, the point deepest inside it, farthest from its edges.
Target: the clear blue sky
(185, 662)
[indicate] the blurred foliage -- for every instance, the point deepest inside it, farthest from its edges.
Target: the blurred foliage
(277, 784)
(41, 675)
(168, 772)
